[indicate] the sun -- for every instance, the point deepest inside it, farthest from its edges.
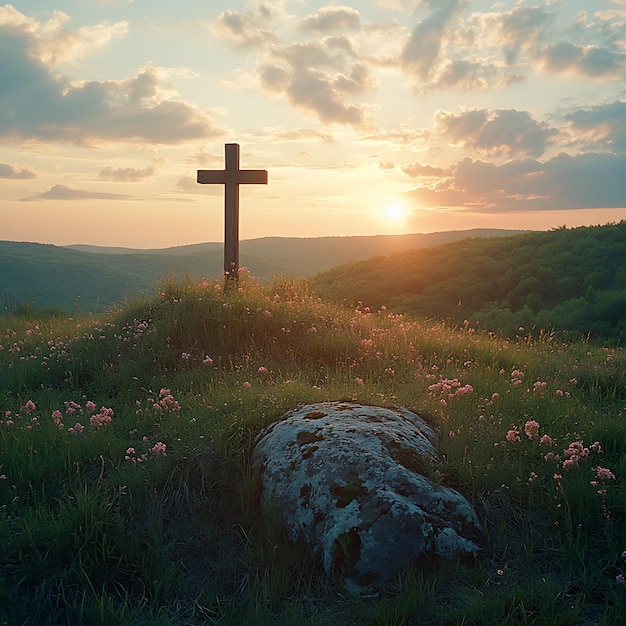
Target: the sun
(395, 212)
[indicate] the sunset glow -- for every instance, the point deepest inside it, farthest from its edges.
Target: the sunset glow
(395, 212)
(370, 117)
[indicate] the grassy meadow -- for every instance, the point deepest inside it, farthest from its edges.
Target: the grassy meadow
(127, 494)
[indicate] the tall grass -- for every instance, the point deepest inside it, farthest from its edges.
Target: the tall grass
(127, 495)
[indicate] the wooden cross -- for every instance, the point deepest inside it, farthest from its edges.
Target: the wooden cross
(231, 178)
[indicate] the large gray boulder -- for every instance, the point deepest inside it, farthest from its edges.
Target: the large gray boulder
(358, 485)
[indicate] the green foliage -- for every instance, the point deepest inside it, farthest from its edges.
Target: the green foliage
(127, 494)
(569, 280)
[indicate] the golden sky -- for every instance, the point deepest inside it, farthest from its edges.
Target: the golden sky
(376, 117)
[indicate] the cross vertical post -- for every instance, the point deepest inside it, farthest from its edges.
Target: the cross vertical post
(231, 178)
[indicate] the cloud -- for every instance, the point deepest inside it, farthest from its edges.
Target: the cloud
(402, 135)
(128, 174)
(9, 171)
(322, 76)
(319, 77)
(421, 54)
(63, 192)
(479, 51)
(249, 29)
(564, 182)
(496, 132)
(403, 6)
(52, 43)
(588, 61)
(523, 29)
(602, 126)
(38, 104)
(418, 170)
(297, 135)
(471, 75)
(331, 19)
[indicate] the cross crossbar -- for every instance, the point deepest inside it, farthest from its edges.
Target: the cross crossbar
(231, 177)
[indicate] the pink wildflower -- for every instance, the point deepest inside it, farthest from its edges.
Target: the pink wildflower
(207, 360)
(57, 418)
(359, 381)
(158, 449)
(71, 408)
(167, 402)
(516, 377)
(547, 440)
(531, 428)
(603, 473)
(513, 435)
(461, 391)
(29, 407)
(246, 385)
(90, 406)
(262, 370)
(619, 579)
(102, 418)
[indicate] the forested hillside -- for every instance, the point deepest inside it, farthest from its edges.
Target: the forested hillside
(83, 279)
(563, 279)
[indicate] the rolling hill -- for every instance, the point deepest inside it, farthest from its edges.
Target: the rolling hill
(82, 278)
(563, 279)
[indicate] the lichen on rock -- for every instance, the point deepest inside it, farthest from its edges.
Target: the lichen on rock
(356, 483)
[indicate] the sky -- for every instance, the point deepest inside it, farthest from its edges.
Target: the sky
(378, 117)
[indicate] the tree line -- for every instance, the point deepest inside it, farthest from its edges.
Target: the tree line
(571, 280)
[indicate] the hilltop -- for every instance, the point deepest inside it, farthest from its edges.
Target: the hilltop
(127, 493)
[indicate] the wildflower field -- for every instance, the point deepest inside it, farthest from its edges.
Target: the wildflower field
(127, 494)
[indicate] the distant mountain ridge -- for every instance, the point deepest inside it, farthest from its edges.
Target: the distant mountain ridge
(84, 278)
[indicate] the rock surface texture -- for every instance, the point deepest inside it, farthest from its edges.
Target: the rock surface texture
(353, 482)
